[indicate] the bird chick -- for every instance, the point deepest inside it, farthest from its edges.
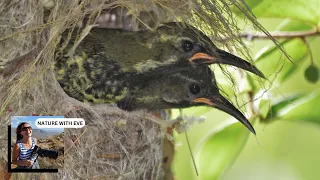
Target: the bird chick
(105, 64)
(193, 86)
(170, 45)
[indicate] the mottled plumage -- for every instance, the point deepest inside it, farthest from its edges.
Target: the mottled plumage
(171, 45)
(145, 69)
(192, 86)
(101, 67)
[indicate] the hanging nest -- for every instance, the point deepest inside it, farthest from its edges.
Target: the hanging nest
(114, 144)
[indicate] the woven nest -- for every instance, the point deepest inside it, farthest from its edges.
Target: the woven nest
(114, 144)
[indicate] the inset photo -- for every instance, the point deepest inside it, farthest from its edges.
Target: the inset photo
(35, 149)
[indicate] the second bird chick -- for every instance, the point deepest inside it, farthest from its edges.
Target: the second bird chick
(192, 86)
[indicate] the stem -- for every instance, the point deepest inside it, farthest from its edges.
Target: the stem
(277, 35)
(190, 150)
(307, 43)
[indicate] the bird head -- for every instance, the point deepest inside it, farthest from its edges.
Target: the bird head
(184, 42)
(193, 86)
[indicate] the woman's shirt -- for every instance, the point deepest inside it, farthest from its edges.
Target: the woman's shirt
(25, 154)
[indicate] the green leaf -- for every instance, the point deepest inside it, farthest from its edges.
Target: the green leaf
(276, 65)
(273, 63)
(296, 108)
(286, 25)
(301, 10)
(264, 108)
(253, 3)
(220, 150)
(305, 109)
(249, 3)
(269, 50)
(278, 105)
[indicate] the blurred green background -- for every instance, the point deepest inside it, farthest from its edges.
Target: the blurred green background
(287, 144)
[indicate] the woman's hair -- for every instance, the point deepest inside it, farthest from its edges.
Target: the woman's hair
(19, 129)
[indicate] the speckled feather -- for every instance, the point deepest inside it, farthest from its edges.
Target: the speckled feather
(97, 71)
(97, 79)
(102, 63)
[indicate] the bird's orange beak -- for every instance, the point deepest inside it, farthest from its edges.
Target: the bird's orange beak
(223, 57)
(202, 58)
(219, 102)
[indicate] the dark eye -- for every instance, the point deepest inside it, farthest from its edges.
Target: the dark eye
(194, 89)
(187, 46)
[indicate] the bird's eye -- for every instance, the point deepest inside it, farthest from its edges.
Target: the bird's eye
(194, 89)
(187, 46)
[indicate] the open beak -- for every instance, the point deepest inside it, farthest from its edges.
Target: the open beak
(224, 57)
(219, 102)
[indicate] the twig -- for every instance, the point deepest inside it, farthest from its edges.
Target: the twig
(190, 150)
(192, 157)
(110, 156)
(276, 35)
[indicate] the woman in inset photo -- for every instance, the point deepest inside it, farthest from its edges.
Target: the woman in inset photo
(23, 148)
